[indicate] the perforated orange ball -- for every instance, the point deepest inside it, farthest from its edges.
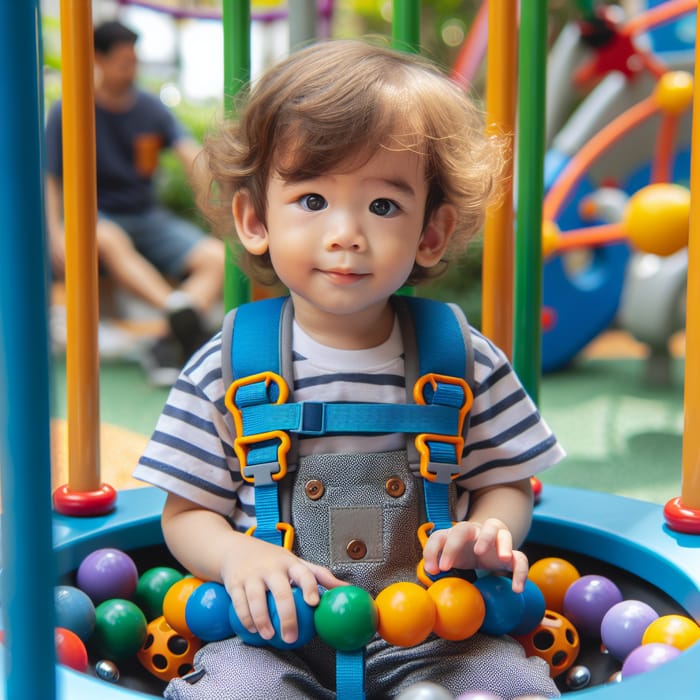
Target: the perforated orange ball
(175, 601)
(406, 614)
(553, 576)
(555, 640)
(165, 653)
(676, 630)
(460, 608)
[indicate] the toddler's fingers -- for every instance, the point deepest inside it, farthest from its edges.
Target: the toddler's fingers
(281, 591)
(256, 594)
(325, 577)
(433, 551)
(504, 545)
(240, 605)
(520, 571)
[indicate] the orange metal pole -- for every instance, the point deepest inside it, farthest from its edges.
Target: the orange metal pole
(80, 204)
(501, 93)
(683, 513)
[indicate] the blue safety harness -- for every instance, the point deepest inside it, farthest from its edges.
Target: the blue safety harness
(257, 338)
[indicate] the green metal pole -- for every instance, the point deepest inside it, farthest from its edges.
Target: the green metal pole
(527, 348)
(236, 23)
(405, 25)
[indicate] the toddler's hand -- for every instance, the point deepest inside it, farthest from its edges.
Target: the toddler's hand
(472, 545)
(264, 567)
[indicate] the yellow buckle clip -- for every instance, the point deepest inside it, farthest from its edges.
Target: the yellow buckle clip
(286, 528)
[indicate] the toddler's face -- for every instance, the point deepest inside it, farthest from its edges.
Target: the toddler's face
(343, 242)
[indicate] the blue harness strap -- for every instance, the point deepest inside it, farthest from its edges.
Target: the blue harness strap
(443, 349)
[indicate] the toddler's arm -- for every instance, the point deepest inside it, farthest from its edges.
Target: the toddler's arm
(206, 545)
(498, 521)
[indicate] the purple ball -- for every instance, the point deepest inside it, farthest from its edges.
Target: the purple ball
(107, 573)
(623, 626)
(587, 600)
(647, 657)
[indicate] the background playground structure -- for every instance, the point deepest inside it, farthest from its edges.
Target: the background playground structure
(629, 533)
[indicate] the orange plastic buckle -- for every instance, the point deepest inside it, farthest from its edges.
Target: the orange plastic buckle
(433, 379)
(268, 378)
(423, 533)
(424, 452)
(242, 445)
(286, 528)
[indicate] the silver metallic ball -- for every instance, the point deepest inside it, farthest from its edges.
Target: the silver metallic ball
(578, 677)
(107, 670)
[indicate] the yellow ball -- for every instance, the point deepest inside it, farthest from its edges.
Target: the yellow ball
(656, 219)
(550, 238)
(674, 92)
(676, 630)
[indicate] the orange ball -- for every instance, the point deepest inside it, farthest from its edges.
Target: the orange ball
(553, 576)
(657, 218)
(460, 608)
(175, 601)
(676, 630)
(555, 640)
(406, 614)
(550, 238)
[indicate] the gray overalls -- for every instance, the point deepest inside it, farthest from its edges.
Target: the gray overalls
(358, 514)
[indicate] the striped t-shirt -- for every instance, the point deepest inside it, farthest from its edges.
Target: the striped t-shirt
(191, 451)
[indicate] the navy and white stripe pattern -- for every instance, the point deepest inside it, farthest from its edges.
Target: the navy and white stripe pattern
(191, 453)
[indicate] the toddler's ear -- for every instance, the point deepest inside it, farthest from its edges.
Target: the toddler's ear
(251, 231)
(436, 235)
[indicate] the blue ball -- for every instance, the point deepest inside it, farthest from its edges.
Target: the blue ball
(305, 621)
(534, 609)
(305, 624)
(206, 612)
(504, 608)
(75, 611)
(252, 638)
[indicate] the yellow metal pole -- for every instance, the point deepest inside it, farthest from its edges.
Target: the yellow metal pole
(82, 307)
(683, 513)
(501, 93)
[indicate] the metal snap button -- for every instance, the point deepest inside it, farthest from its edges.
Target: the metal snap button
(356, 549)
(395, 487)
(314, 489)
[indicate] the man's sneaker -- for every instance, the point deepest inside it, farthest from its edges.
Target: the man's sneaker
(188, 329)
(163, 361)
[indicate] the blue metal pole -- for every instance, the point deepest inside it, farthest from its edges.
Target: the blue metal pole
(28, 571)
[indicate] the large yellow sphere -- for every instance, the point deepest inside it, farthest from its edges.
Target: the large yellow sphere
(674, 92)
(656, 219)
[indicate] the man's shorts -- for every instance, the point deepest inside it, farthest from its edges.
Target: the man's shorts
(165, 240)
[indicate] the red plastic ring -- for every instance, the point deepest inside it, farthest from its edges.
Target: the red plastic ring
(84, 503)
(681, 518)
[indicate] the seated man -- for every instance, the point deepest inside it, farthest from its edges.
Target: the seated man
(140, 244)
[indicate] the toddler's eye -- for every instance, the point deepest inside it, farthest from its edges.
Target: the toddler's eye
(312, 202)
(383, 207)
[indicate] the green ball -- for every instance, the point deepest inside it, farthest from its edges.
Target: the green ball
(120, 630)
(152, 587)
(346, 618)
